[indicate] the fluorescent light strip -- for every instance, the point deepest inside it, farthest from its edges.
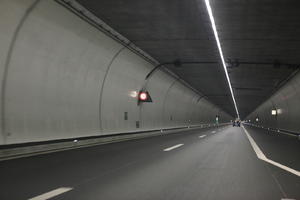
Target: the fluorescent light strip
(212, 20)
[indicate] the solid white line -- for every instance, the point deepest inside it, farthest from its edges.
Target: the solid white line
(202, 136)
(293, 171)
(173, 147)
(257, 150)
(262, 156)
(52, 193)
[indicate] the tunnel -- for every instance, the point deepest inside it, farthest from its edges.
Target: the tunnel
(140, 100)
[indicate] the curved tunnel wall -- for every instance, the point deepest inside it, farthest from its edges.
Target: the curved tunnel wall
(63, 78)
(286, 102)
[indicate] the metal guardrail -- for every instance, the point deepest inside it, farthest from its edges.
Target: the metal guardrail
(13, 151)
(293, 133)
(55, 141)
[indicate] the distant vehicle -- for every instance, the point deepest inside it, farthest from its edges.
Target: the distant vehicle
(236, 123)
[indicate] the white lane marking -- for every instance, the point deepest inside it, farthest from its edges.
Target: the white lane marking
(202, 136)
(293, 171)
(52, 193)
(257, 150)
(173, 147)
(213, 132)
(262, 156)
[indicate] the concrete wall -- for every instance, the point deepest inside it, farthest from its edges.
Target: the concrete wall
(63, 78)
(286, 101)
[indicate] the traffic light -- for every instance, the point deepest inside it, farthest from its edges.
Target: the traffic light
(144, 96)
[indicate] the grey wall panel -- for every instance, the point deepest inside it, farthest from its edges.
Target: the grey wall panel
(54, 76)
(175, 108)
(126, 76)
(151, 114)
(193, 110)
(286, 101)
(11, 14)
(64, 78)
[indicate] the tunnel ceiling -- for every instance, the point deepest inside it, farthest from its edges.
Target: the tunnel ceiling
(258, 32)
(258, 37)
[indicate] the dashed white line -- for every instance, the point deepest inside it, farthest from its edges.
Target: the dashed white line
(262, 156)
(173, 147)
(52, 193)
(202, 136)
(213, 132)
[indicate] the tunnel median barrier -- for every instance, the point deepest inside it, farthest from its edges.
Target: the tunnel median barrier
(13, 151)
(276, 130)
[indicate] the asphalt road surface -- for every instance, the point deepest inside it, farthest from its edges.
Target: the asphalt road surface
(210, 164)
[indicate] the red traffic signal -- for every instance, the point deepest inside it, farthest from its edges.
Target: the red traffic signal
(144, 97)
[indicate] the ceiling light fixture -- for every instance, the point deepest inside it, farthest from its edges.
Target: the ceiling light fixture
(212, 20)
